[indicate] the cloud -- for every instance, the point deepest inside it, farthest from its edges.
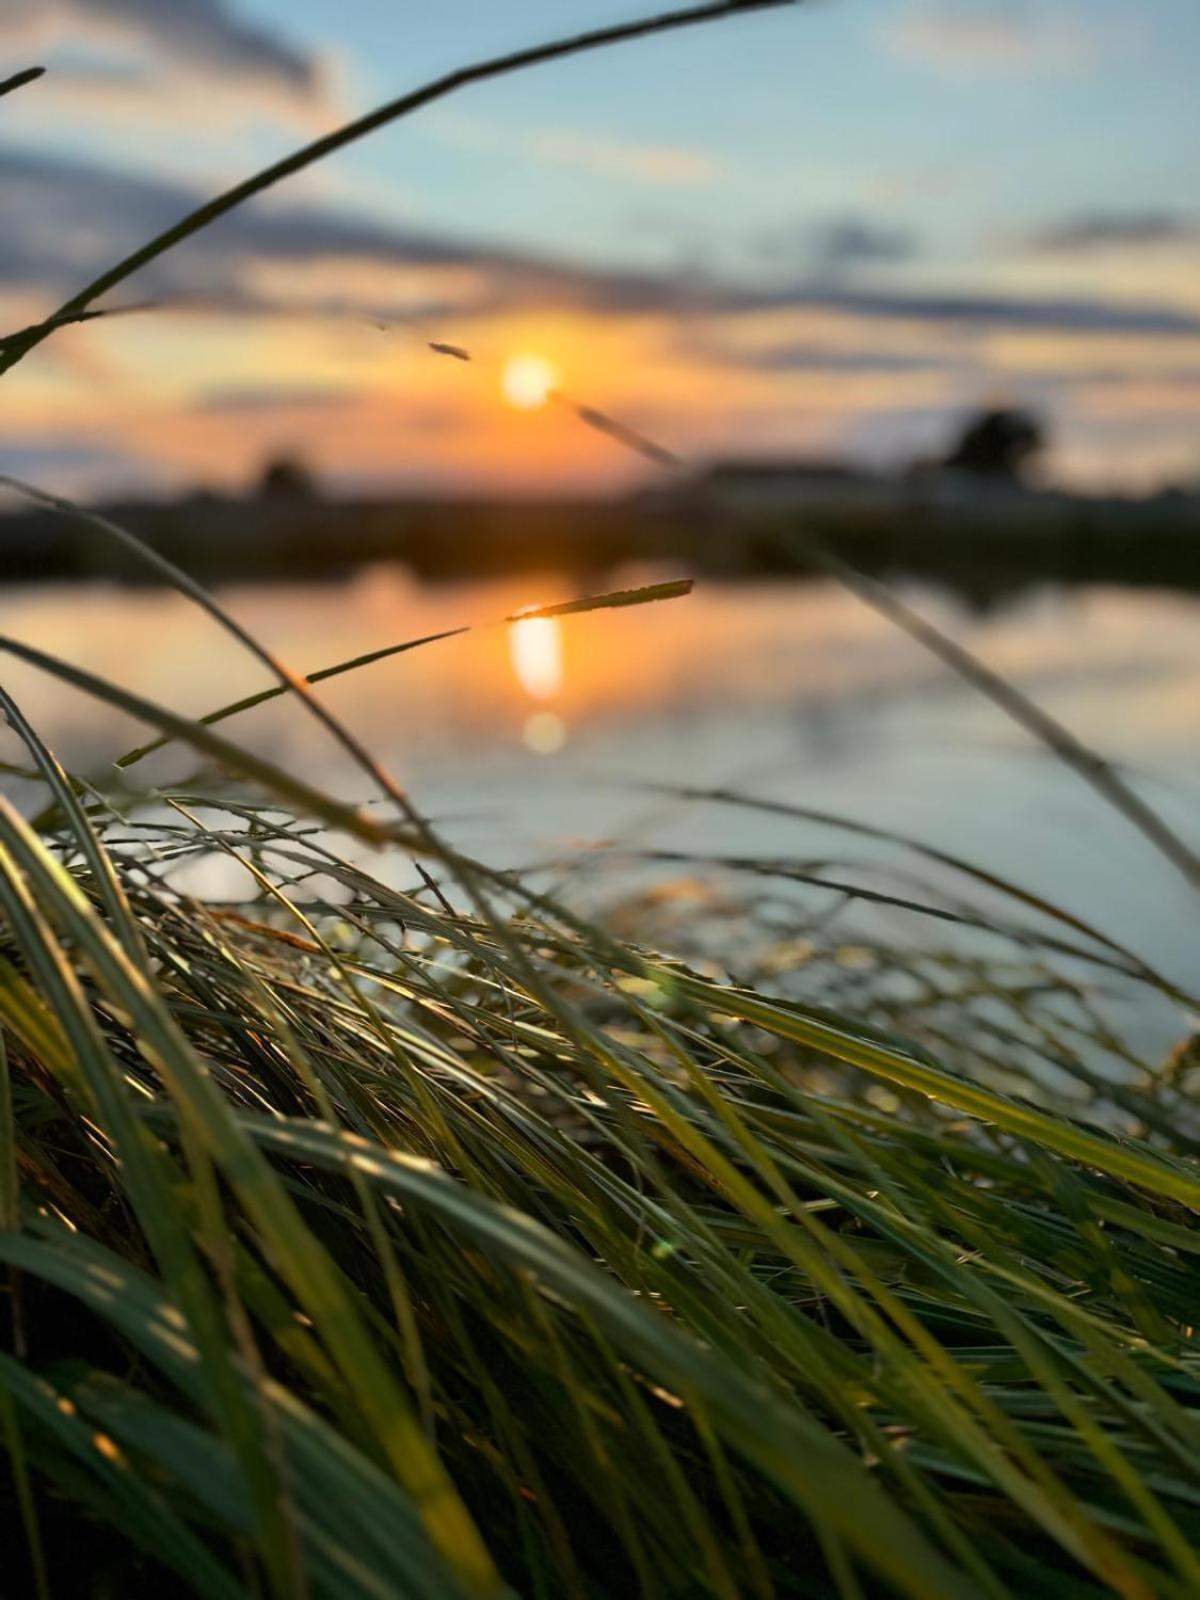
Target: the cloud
(1185, 376)
(971, 363)
(296, 406)
(823, 360)
(194, 34)
(77, 218)
(126, 102)
(616, 158)
(251, 398)
(841, 244)
(74, 219)
(206, 30)
(990, 35)
(76, 467)
(975, 311)
(675, 166)
(856, 241)
(1109, 230)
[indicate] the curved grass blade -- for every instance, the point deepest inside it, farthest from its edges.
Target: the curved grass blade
(803, 1460)
(1132, 1163)
(295, 1252)
(311, 801)
(1135, 965)
(672, 590)
(187, 585)
(122, 1495)
(366, 1527)
(18, 80)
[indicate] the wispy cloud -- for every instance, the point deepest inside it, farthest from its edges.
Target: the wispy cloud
(640, 163)
(1117, 230)
(75, 218)
(1051, 314)
(630, 161)
(75, 466)
(121, 70)
(991, 36)
(199, 34)
(822, 360)
(277, 398)
(280, 351)
(832, 246)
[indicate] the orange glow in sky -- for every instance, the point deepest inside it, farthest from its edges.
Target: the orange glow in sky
(598, 229)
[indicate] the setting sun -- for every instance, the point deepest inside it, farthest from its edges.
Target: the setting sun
(527, 381)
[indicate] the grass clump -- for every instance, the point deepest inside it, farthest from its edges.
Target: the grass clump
(365, 1240)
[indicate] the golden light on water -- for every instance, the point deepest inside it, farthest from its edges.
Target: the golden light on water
(544, 733)
(535, 645)
(527, 381)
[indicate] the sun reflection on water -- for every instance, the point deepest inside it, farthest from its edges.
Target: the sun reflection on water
(535, 648)
(535, 645)
(544, 733)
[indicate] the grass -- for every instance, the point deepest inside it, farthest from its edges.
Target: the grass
(452, 1240)
(374, 1241)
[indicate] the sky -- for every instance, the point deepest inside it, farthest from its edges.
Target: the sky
(833, 229)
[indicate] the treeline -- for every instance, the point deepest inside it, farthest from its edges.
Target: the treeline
(998, 542)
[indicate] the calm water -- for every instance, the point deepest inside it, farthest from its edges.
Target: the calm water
(526, 742)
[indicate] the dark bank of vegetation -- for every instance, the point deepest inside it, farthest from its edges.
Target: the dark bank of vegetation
(379, 1229)
(970, 521)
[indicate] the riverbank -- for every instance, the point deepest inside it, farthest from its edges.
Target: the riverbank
(977, 544)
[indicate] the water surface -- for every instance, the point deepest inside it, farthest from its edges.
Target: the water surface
(528, 742)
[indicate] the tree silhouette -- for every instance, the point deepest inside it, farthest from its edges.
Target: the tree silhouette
(285, 478)
(998, 444)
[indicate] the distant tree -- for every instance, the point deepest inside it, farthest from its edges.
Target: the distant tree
(285, 478)
(998, 444)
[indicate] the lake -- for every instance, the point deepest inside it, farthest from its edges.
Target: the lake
(527, 742)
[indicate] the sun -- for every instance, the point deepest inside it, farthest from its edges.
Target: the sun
(528, 381)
